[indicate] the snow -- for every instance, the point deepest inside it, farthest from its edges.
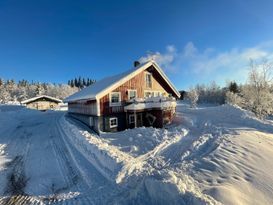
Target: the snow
(137, 141)
(39, 97)
(10, 108)
(152, 102)
(39, 165)
(208, 155)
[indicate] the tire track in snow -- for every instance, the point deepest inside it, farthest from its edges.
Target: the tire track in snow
(195, 145)
(68, 172)
(90, 187)
(15, 173)
(71, 176)
(88, 194)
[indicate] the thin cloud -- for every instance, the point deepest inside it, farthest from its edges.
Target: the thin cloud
(209, 63)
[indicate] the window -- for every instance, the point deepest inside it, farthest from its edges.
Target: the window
(113, 122)
(148, 80)
(132, 94)
(131, 119)
(115, 98)
(157, 93)
(147, 94)
(152, 93)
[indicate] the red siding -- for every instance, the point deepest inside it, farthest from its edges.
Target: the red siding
(136, 83)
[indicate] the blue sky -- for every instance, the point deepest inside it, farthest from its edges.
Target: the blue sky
(194, 41)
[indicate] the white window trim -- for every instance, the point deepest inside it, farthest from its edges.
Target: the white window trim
(130, 121)
(147, 73)
(152, 92)
(129, 92)
(110, 99)
(158, 92)
(113, 118)
(147, 91)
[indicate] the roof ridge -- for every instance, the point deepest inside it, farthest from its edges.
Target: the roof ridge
(95, 90)
(40, 96)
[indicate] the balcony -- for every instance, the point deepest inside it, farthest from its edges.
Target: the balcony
(151, 103)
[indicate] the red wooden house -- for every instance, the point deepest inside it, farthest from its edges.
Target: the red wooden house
(142, 96)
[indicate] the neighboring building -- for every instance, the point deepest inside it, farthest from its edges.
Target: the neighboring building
(182, 94)
(142, 96)
(42, 103)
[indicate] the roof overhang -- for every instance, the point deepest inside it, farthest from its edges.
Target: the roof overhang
(124, 79)
(39, 97)
(133, 74)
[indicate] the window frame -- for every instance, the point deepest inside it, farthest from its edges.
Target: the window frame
(151, 83)
(113, 118)
(130, 121)
(115, 103)
(157, 93)
(153, 93)
(147, 91)
(129, 90)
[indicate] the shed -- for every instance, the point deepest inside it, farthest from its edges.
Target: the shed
(42, 102)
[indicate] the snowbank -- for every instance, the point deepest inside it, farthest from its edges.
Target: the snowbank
(106, 158)
(176, 189)
(137, 141)
(205, 155)
(141, 171)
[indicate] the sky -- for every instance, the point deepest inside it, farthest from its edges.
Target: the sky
(193, 41)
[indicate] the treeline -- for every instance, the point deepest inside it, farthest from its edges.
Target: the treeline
(13, 92)
(80, 82)
(209, 93)
(255, 95)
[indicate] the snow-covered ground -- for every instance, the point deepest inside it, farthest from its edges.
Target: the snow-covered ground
(40, 166)
(208, 155)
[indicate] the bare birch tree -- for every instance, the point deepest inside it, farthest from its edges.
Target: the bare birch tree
(257, 92)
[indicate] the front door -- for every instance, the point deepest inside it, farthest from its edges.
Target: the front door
(139, 120)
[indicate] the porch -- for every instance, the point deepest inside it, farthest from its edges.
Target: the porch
(155, 112)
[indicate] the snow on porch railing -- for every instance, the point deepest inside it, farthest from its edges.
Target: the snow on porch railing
(152, 102)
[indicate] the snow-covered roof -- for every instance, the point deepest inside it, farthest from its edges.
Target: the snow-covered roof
(41, 96)
(100, 88)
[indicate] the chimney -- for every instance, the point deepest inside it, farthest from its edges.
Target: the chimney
(136, 63)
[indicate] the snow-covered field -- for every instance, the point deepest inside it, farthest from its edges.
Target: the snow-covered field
(208, 155)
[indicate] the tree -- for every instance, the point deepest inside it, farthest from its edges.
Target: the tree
(4, 95)
(211, 93)
(80, 82)
(182, 94)
(1, 82)
(12, 91)
(193, 95)
(40, 90)
(88, 81)
(76, 82)
(233, 87)
(257, 92)
(84, 82)
(72, 84)
(234, 99)
(21, 94)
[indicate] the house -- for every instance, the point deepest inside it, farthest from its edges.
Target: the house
(142, 96)
(42, 102)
